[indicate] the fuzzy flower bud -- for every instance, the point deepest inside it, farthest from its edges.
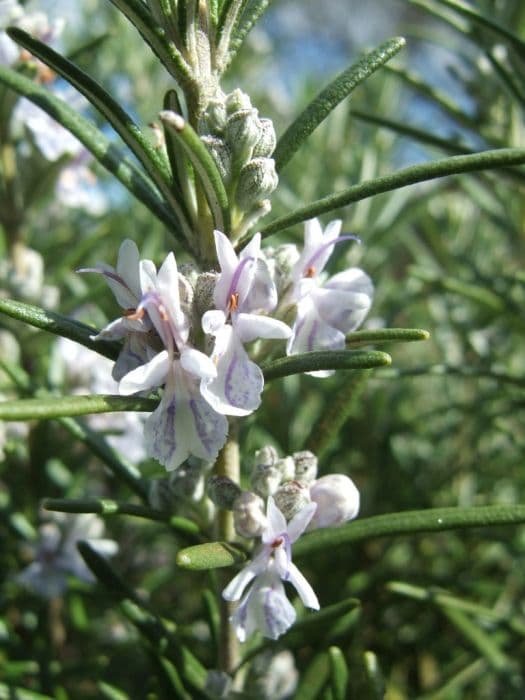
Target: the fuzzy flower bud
(286, 466)
(291, 497)
(241, 133)
(220, 153)
(305, 466)
(265, 145)
(248, 515)
(236, 101)
(223, 491)
(337, 501)
(257, 180)
(204, 288)
(266, 475)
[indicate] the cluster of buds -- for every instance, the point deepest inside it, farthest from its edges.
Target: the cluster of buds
(241, 144)
(296, 501)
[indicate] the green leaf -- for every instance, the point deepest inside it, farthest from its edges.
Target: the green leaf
(422, 172)
(212, 555)
(154, 161)
(387, 335)
(483, 20)
(483, 642)
(58, 406)
(59, 325)
(330, 97)
(253, 11)
(111, 692)
(154, 35)
(408, 523)
(104, 506)
(338, 673)
(204, 165)
(96, 143)
(324, 360)
(122, 469)
(314, 678)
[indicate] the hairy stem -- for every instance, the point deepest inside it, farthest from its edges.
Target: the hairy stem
(228, 465)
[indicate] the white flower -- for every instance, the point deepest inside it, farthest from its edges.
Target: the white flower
(265, 606)
(327, 311)
(243, 288)
(184, 423)
(337, 500)
(56, 556)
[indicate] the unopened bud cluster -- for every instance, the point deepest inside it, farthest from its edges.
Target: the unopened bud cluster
(292, 483)
(241, 144)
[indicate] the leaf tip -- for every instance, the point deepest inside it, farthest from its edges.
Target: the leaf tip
(170, 118)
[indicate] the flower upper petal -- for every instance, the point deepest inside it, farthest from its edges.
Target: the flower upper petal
(276, 522)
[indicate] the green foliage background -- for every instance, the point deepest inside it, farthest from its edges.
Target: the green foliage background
(441, 615)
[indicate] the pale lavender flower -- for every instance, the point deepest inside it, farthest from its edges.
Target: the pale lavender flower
(243, 290)
(124, 281)
(184, 423)
(265, 607)
(326, 311)
(56, 556)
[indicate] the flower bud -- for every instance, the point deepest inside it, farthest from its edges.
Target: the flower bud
(248, 515)
(257, 180)
(265, 145)
(286, 466)
(221, 154)
(337, 501)
(241, 133)
(266, 475)
(204, 288)
(223, 491)
(291, 497)
(237, 100)
(214, 119)
(305, 466)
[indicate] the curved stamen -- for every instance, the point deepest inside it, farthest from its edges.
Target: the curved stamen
(309, 269)
(235, 280)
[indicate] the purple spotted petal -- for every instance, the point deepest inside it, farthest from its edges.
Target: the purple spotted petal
(236, 391)
(184, 424)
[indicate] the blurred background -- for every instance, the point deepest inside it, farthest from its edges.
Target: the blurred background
(443, 615)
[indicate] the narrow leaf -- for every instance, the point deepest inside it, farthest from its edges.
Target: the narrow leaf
(314, 678)
(483, 20)
(204, 165)
(154, 161)
(330, 97)
(59, 325)
(104, 506)
(96, 143)
(325, 359)
(58, 406)
(139, 15)
(409, 523)
(245, 23)
(212, 555)
(338, 673)
(122, 469)
(483, 642)
(387, 335)
(455, 165)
